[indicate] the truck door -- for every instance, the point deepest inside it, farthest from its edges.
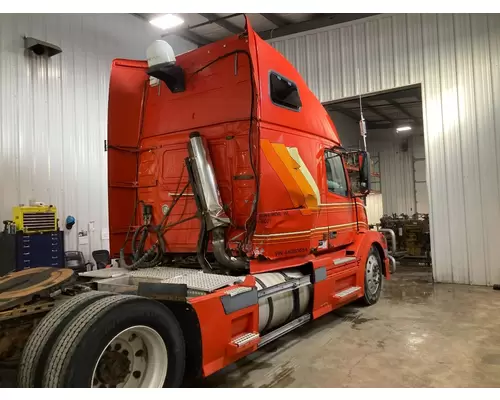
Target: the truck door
(339, 205)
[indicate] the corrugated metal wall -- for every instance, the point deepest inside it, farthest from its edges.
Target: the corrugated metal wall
(374, 208)
(420, 175)
(53, 113)
(456, 59)
(403, 174)
(396, 175)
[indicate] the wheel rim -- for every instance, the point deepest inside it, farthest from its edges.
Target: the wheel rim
(136, 357)
(372, 274)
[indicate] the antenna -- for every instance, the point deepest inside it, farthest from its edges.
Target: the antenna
(362, 122)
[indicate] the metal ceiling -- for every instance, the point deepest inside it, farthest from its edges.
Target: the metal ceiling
(205, 28)
(384, 110)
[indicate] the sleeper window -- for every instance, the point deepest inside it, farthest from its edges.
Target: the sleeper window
(283, 92)
(335, 173)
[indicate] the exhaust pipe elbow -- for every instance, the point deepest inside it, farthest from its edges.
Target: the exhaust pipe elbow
(223, 258)
(393, 238)
(392, 264)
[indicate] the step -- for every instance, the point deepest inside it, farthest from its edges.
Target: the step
(245, 338)
(238, 290)
(347, 292)
(343, 260)
(243, 343)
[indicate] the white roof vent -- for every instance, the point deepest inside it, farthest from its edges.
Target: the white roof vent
(160, 52)
(161, 67)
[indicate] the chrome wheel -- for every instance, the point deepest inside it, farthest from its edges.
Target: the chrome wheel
(372, 274)
(136, 358)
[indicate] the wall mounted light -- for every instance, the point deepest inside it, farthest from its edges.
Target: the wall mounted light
(41, 48)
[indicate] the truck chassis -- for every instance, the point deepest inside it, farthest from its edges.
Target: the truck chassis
(164, 326)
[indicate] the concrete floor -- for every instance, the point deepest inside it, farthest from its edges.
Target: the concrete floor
(419, 334)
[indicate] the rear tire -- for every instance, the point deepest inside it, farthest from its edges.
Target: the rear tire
(41, 340)
(104, 344)
(373, 277)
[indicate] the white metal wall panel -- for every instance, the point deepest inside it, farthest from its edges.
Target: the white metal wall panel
(53, 113)
(488, 162)
(422, 198)
(456, 59)
(347, 60)
(359, 43)
(387, 63)
(335, 67)
(420, 173)
(400, 49)
(475, 244)
(324, 74)
(403, 173)
(396, 175)
(374, 208)
(418, 144)
(373, 64)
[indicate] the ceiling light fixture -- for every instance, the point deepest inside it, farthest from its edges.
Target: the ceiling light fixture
(403, 129)
(167, 21)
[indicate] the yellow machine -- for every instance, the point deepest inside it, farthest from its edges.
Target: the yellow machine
(32, 219)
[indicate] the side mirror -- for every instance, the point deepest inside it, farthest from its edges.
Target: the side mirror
(364, 172)
(359, 165)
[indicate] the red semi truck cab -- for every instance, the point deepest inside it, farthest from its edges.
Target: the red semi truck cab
(222, 160)
(277, 161)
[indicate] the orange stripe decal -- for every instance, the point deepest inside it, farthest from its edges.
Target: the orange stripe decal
(284, 173)
(294, 169)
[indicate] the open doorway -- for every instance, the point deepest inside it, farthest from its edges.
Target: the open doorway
(395, 140)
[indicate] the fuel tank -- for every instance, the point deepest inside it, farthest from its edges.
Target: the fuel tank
(277, 309)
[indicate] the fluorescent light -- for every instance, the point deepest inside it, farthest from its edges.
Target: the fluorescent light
(403, 129)
(167, 21)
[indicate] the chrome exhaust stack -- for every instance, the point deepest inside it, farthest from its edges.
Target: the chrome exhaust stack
(209, 203)
(204, 176)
